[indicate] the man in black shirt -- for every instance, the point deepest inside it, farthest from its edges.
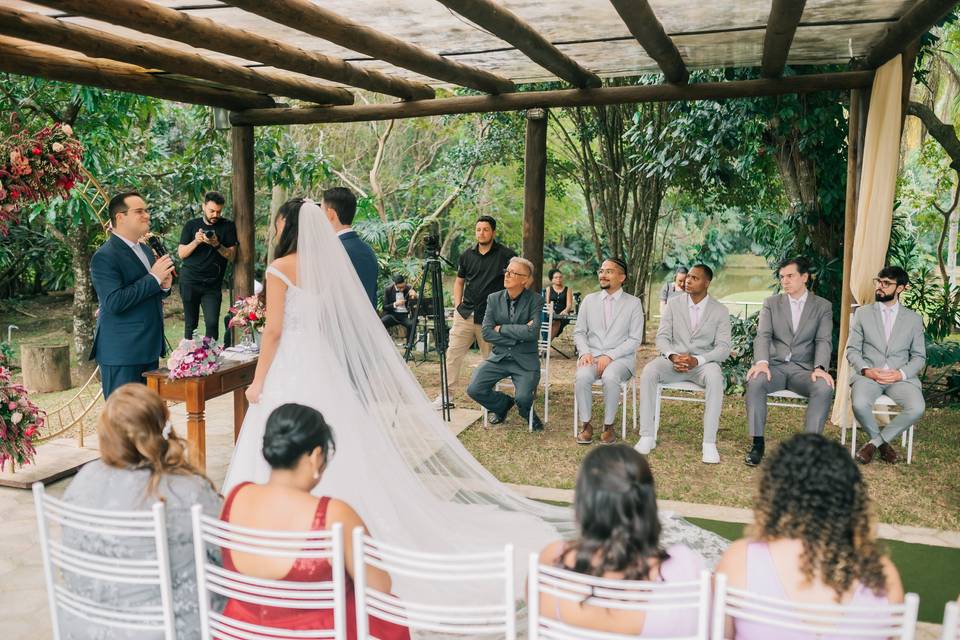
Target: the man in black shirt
(479, 274)
(207, 245)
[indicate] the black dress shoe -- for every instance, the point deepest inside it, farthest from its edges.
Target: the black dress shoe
(537, 423)
(496, 418)
(755, 456)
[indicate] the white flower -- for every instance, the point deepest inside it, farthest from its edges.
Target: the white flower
(57, 147)
(16, 417)
(67, 129)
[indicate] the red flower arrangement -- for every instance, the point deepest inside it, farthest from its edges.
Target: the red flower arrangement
(249, 314)
(20, 422)
(35, 167)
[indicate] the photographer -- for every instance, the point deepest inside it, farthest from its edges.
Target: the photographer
(207, 244)
(396, 305)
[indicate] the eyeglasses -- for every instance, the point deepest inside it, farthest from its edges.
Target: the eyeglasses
(137, 212)
(514, 274)
(884, 283)
(607, 272)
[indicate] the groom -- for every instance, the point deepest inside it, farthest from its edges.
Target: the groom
(130, 285)
(340, 206)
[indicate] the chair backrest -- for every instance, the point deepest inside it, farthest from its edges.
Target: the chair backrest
(457, 620)
(546, 325)
(951, 622)
(686, 599)
(869, 621)
(77, 567)
(285, 594)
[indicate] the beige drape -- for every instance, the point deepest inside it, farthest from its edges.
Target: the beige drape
(878, 181)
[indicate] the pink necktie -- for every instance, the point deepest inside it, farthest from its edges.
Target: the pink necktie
(696, 317)
(887, 323)
(608, 310)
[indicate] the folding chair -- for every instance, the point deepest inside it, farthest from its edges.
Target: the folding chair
(882, 407)
(951, 622)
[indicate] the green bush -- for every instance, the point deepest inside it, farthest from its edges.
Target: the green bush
(742, 333)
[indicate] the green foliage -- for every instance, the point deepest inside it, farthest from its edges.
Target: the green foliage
(937, 301)
(6, 354)
(743, 331)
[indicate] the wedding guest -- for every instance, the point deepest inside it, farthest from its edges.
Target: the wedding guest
(297, 444)
(813, 540)
(615, 507)
(561, 299)
(673, 288)
(396, 305)
(142, 461)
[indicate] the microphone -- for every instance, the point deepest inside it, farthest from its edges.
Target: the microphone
(158, 248)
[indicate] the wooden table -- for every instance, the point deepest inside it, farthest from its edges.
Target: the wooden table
(231, 376)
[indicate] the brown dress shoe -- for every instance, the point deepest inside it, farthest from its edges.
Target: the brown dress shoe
(865, 455)
(586, 434)
(887, 454)
(608, 435)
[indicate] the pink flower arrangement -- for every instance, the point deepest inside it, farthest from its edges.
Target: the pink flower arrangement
(20, 422)
(248, 313)
(194, 358)
(36, 167)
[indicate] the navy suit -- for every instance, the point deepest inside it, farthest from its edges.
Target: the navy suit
(128, 339)
(364, 262)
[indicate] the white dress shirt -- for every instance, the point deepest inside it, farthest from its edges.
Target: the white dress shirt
(887, 326)
(696, 313)
(138, 251)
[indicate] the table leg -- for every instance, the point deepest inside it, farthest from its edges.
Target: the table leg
(240, 405)
(197, 428)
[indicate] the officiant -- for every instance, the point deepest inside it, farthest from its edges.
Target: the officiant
(511, 325)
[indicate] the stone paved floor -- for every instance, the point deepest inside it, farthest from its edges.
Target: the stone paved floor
(23, 602)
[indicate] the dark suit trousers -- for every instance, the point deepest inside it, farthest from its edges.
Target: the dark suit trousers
(489, 373)
(793, 377)
(392, 319)
(195, 296)
(113, 376)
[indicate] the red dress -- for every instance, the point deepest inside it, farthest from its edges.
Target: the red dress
(304, 570)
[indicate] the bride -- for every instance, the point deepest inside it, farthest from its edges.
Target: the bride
(396, 461)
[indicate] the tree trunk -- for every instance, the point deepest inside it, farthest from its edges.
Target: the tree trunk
(952, 247)
(79, 241)
(45, 368)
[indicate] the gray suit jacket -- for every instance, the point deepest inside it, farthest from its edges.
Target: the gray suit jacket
(711, 340)
(867, 348)
(621, 339)
(809, 347)
(517, 338)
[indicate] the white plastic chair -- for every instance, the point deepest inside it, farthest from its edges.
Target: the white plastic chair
(787, 398)
(63, 560)
(543, 350)
(882, 407)
(869, 621)
(951, 622)
(677, 391)
(318, 544)
(685, 598)
(457, 620)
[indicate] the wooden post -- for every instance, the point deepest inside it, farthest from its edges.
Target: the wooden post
(854, 153)
(241, 148)
(535, 191)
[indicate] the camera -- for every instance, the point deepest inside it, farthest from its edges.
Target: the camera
(431, 245)
(209, 233)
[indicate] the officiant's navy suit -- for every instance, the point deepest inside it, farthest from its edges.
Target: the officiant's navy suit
(364, 263)
(128, 339)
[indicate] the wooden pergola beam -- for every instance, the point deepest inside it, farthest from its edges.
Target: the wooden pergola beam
(643, 24)
(914, 23)
(781, 27)
(311, 18)
(38, 28)
(155, 19)
(511, 28)
(25, 58)
(562, 98)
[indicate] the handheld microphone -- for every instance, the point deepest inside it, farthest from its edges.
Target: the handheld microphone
(158, 248)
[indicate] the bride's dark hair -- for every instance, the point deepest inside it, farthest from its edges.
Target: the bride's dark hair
(290, 212)
(616, 510)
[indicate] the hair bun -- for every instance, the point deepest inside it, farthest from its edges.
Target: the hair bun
(293, 430)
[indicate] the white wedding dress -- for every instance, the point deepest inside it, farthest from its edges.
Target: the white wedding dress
(396, 461)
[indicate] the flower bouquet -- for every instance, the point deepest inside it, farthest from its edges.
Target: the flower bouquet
(249, 314)
(198, 357)
(36, 167)
(20, 422)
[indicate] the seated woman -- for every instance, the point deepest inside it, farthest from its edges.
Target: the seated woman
(561, 298)
(141, 461)
(297, 443)
(812, 540)
(615, 507)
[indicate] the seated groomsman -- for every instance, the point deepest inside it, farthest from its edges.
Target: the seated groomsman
(511, 325)
(609, 330)
(886, 353)
(791, 351)
(693, 339)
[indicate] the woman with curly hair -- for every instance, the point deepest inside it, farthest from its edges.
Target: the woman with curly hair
(615, 506)
(813, 539)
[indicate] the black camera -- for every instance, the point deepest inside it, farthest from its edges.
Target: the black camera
(431, 245)
(209, 233)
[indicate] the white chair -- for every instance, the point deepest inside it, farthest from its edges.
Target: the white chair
(59, 559)
(882, 407)
(891, 621)
(543, 350)
(782, 398)
(320, 544)
(951, 622)
(597, 390)
(457, 620)
(686, 599)
(787, 398)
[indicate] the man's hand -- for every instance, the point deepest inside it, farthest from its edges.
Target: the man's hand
(162, 269)
(683, 362)
(814, 375)
(762, 368)
(497, 328)
(214, 241)
(602, 363)
(167, 282)
(585, 360)
(412, 294)
(199, 238)
(883, 376)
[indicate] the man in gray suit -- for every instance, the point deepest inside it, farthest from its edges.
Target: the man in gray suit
(511, 325)
(791, 351)
(693, 339)
(609, 330)
(886, 352)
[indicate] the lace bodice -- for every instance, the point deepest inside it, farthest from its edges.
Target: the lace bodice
(295, 304)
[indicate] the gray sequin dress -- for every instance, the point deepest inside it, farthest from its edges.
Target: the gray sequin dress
(99, 486)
